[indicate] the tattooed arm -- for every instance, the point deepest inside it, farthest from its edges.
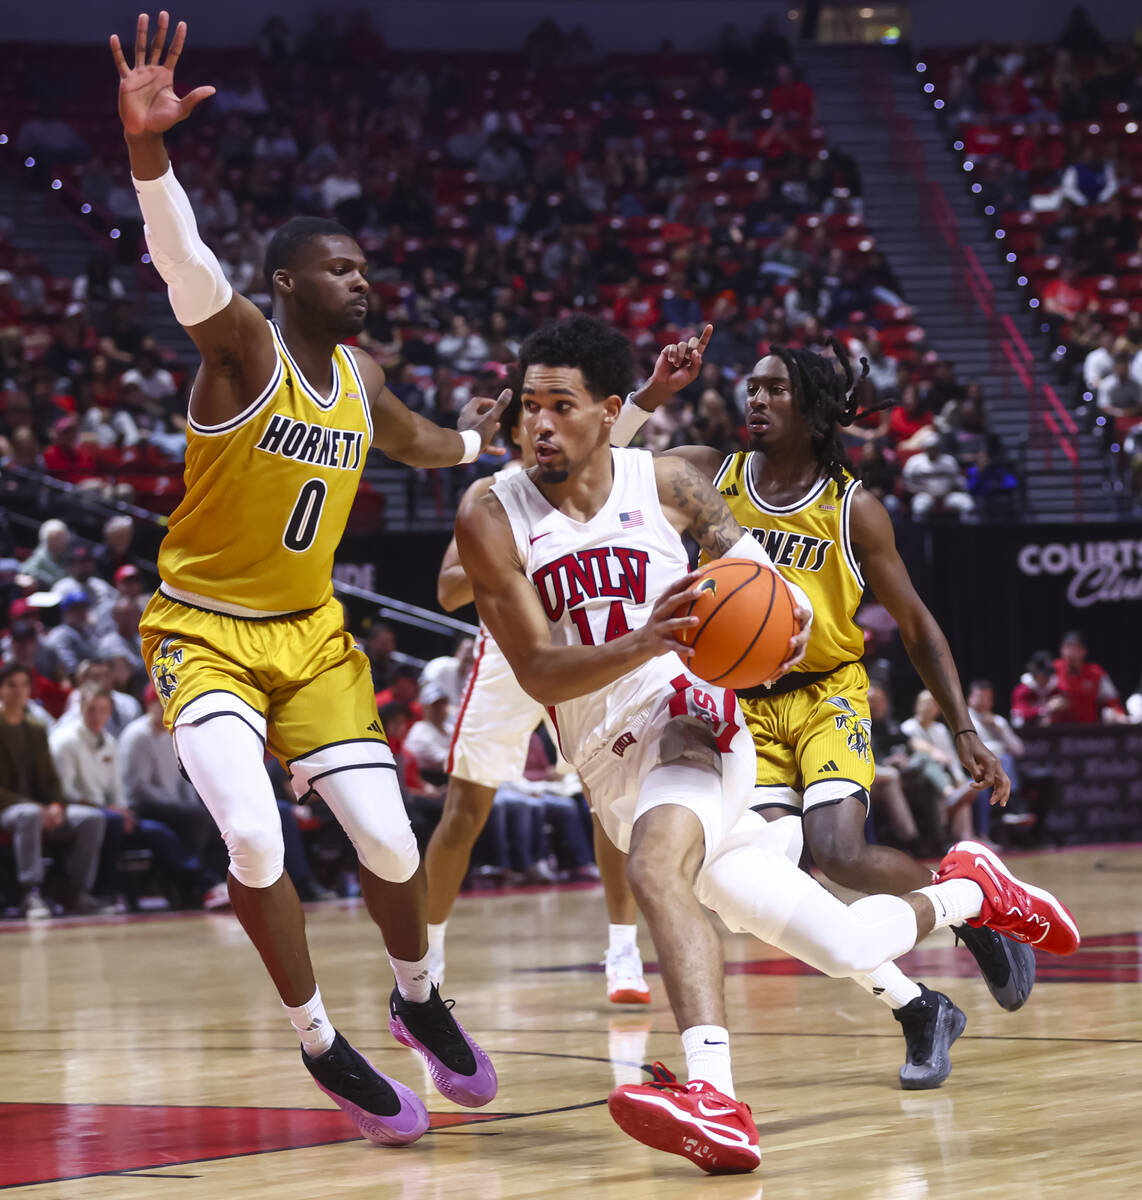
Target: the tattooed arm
(692, 504)
(887, 576)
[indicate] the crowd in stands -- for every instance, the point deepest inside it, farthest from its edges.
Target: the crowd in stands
(922, 797)
(1053, 134)
(489, 195)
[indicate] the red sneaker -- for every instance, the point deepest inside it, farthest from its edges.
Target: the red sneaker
(692, 1119)
(1025, 913)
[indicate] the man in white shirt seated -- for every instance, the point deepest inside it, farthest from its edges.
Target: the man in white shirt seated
(998, 736)
(86, 758)
(430, 739)
(99, 674)
(936, 483)
(157, 790)
(451, 671)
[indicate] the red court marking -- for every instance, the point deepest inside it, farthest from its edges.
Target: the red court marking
(45, 1142)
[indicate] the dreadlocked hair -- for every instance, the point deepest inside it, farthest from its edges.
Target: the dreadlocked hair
(828, 400)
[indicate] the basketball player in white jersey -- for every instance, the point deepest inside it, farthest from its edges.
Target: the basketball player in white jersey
(493, 727)
(578, 569)
(489, 747)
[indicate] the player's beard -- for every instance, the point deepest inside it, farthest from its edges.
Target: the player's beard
(554, 475)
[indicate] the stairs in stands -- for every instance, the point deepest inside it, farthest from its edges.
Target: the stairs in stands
(63, 244)
(918, 207)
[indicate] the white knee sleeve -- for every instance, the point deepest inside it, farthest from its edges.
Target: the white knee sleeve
(756, 889)
(359, 783)
(220, 743)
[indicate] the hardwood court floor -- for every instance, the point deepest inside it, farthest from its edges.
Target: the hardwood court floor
(149, 1060)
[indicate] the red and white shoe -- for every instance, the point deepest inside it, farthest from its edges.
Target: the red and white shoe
(692, 1119)
(626, 983)
(1019, 910)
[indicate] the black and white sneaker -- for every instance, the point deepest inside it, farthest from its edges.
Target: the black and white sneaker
(385, 1111)
(1007, 967)
(931, 1023)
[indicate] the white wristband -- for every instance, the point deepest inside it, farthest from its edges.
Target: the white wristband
(473, 444)
(630, 420)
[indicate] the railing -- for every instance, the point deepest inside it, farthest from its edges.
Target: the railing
(389, 608)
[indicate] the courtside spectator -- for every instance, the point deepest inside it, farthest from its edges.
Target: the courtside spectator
(1089, 692)
(47, 564)
(1036, 699)
(937, 484)
(33, 807)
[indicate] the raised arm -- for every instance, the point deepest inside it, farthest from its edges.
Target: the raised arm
(510, 608)
(677, 366)
(887, 576)
(408, 437)
(238, 356)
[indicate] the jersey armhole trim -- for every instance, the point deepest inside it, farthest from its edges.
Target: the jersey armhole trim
(724, 470)
(846, 536)
(247, 414)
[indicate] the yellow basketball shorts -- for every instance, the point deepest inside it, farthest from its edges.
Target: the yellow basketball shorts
(302, 675)
(813, 744)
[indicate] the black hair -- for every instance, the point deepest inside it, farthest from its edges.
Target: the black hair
(14, 668)
(281, 253)
(1042, 660)
(406, 671)
(1073, 636)
(827, 400)
(602, 354)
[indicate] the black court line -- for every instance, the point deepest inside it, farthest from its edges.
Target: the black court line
(152, 1167)
(738, 1033)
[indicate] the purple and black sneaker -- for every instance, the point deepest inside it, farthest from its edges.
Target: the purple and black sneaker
(385, 1111)
(460, 1070)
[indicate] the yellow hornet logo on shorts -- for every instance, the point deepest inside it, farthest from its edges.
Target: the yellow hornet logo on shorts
(857, 728)
(165, 679)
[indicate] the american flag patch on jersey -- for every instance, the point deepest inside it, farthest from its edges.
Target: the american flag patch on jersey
(630, 520)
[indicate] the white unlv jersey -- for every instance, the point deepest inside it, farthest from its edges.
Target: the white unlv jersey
(596, 580)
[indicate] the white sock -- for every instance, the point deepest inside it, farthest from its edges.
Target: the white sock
(953, 901)
(889, 985)
(413, 981)
(312, 1024)
(621, 937)
(707, 1049)
(436, 952)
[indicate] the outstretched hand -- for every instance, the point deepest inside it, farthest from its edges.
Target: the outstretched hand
(680, 363)
(147, 101)
(483, 416)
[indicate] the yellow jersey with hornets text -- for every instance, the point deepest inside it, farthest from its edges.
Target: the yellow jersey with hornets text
(810, 545)
(268, 495)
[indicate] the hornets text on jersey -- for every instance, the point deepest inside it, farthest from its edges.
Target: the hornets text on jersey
(268, 495)
(809, 542)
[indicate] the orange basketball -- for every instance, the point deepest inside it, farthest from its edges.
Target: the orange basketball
(746, 616)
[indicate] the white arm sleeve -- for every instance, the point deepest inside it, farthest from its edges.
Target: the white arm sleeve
(195, 283)
(748, 547)
(631, 419)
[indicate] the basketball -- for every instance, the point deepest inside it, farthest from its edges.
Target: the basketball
(746, 618)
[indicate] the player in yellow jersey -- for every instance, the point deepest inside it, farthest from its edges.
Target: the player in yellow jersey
(244, 641)
(794, 491)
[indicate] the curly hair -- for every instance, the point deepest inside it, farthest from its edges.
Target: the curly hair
(281, 253)
(602, 354)
(828, 400)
